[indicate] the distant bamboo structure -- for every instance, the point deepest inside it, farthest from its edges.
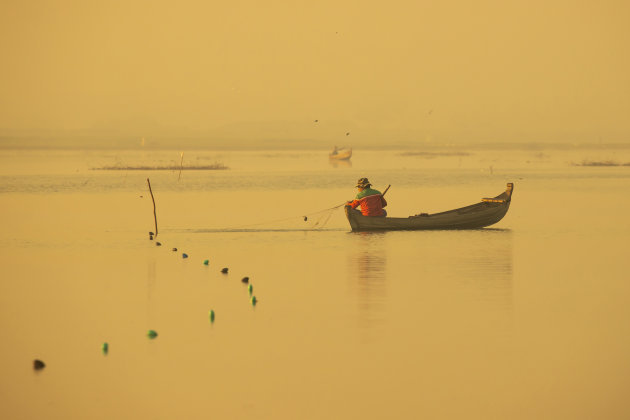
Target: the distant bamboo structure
(211, 167)
(600, 163)
(154, 212)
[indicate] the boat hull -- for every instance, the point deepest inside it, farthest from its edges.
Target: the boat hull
(341, 155)
(485, 213)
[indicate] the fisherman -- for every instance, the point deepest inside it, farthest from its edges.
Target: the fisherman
(335, 151)
(370, 200)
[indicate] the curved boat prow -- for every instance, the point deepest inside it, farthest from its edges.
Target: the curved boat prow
(503, 197)
(508, 191)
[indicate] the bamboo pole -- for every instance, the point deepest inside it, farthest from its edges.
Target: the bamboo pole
(154, 213)
(181, 166)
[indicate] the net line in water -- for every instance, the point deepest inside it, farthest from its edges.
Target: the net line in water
(320, 219)
(316, 221)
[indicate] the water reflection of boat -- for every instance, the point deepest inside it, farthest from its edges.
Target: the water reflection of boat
(340, 154)
(367, 268)
(458, 275)
(335, 163)
(488, 212)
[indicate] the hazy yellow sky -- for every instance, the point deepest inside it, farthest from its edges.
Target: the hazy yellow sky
(479, 70)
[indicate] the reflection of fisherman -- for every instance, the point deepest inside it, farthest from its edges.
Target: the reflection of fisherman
(335, 151)
(370, 200)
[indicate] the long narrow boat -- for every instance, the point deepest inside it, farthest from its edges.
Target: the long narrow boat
(485, 213)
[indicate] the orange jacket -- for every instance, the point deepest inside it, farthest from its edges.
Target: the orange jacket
(371, 205)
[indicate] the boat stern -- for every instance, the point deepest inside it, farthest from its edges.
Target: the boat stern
(350, 215)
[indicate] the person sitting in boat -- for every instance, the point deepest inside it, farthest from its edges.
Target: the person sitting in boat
(370, 200)
(335, 151)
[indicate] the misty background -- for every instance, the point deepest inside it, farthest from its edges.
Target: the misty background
(293, 74)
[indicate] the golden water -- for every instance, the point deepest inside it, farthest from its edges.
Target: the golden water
(526, 320)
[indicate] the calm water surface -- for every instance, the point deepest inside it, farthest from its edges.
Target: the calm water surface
(527, 319)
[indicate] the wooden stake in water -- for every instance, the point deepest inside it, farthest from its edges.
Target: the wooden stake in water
(181, 166)
(154, 213)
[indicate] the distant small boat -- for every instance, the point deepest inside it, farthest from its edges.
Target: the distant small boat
(341, 154)
(485, 213)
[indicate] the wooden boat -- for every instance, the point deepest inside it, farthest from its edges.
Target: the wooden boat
(485, 213)
(341, 154)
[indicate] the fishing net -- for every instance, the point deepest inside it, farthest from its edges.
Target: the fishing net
(312, 221)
